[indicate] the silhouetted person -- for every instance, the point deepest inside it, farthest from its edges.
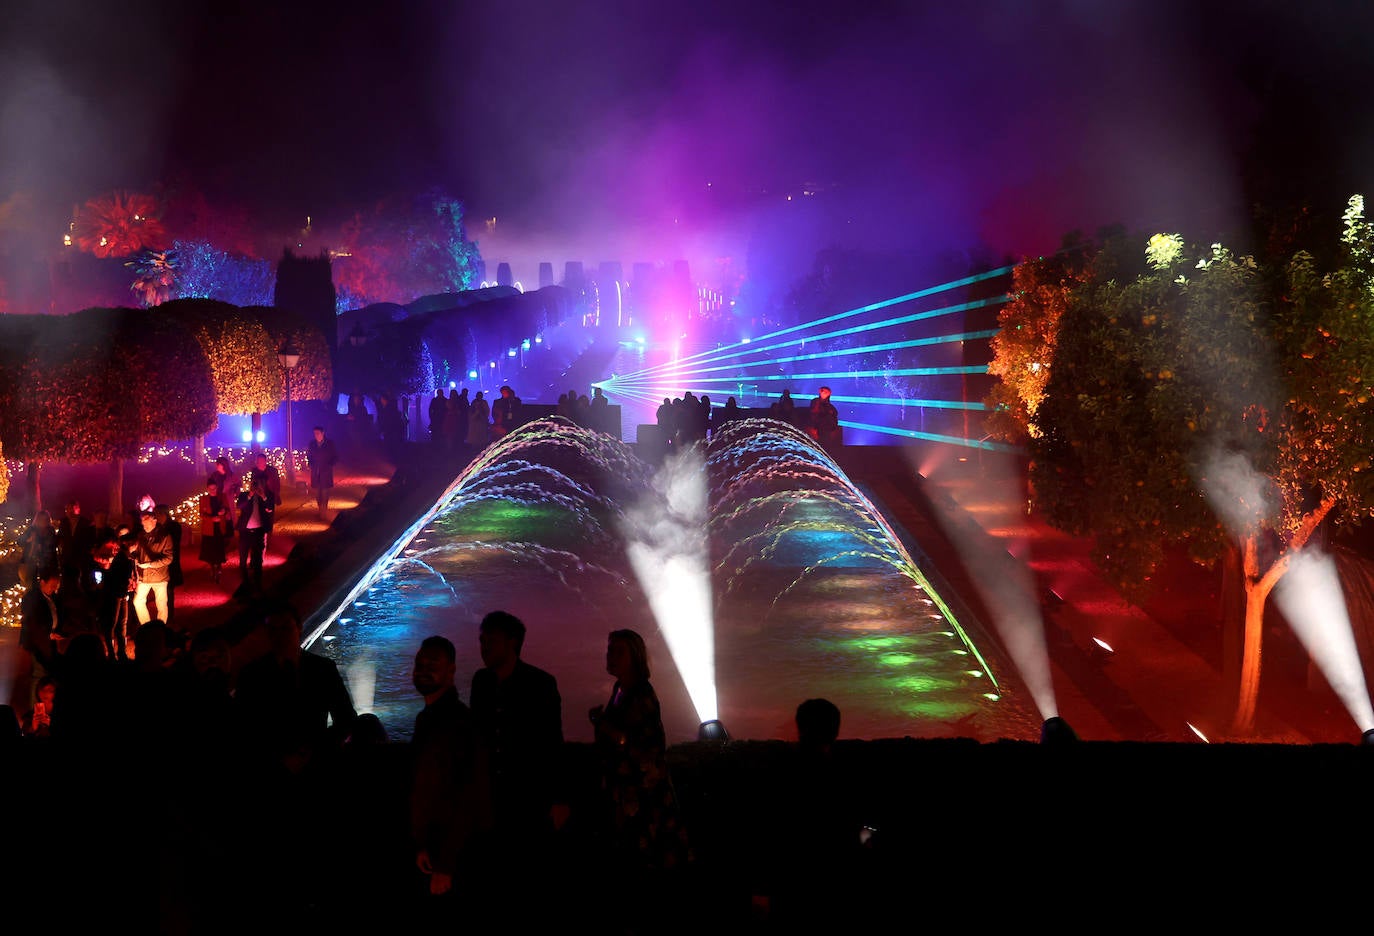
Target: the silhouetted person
(449, 806)
(75, 539)
(505, 413)
(294, 702)
(785, 408)
(641, 820)
(322, 456)
(813, 837)
(39, 626)
(824, 420)
(438, 410)
(519, 717)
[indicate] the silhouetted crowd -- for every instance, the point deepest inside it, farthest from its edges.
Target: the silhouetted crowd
(268, 801)
(690, 418)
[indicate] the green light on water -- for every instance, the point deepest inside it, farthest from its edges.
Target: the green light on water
(922, 684)
(898, 659)
(938, 709)
(881, 644)
(516, 521)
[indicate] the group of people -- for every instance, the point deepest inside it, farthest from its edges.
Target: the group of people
(86, 575)
(460, 424)
(591, 412)
(689, 418)
(487, 792)
(820, 420)
(486, 795)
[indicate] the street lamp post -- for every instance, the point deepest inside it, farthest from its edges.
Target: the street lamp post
(289, 356)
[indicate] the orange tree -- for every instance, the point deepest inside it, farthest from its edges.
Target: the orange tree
(98, 385)
(313, 376)
(1025, 342)
(1207, 403)
(244, 371)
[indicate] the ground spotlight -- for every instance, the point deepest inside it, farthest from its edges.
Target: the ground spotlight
(1056, 731)
(714, 730)
(1366, 738)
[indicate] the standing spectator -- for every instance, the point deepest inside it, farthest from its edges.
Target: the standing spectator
(118, 579)
(785, 408)
(479, 424)
(267, 473)
(438, 412)
(38, 547)
(448, 802)
(223, 476)
(505, 414)
(294, 702)
(391, 423)
(220, 472)
(271, 482)
(824, 425)
(175, 577)
(729, 413)
(599, 412)
(322, 456)
(152, 562)
(39, 628)
(256, 507)
(75, 539)
(358, 420)
(214, 527)
(519, 718)
(456, 420)
(641, 817)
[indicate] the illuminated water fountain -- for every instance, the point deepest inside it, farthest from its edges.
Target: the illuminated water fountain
(757, 572)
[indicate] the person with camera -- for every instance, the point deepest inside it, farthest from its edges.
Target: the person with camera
(256, 508)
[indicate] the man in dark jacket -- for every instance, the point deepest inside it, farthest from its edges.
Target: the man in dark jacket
(449, 806)
(505, 413)
(321, 455)
(256, 507)
(295, 703)
(38, 631)
(519, 716)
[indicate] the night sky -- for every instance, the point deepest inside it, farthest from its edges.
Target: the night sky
(608, 127)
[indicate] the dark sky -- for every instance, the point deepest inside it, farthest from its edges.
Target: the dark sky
(923, 125)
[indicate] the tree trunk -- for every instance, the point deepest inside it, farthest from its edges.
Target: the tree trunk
(1231, 611)
(116, 487)
(198, 465)
(256, 427)
(33, 480)
(1256, 593)
(1258, 584)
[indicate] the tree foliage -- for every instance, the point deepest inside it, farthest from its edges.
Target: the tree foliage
(313, 376)
(406, 248)
(242, 355)
(1211, 403)
(1024, 346)
(207, 272)
(101, 383)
